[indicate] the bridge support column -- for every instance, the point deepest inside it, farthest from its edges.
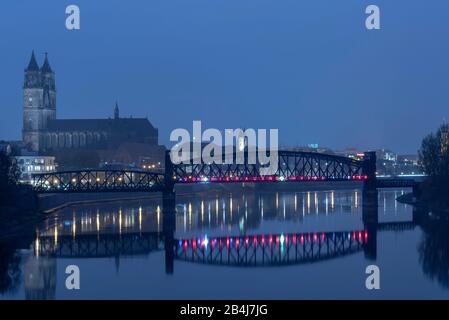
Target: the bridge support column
(370, 204)
(169, 214)
(369, 169)
(370, 219)
(168, 228)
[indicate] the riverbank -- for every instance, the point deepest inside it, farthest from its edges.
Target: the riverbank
(13, 221)
(411, 199)
(18, 211)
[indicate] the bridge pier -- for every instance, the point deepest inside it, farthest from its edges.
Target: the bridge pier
(370, 214)
(169, 215)
(370, 219)
(168, 228)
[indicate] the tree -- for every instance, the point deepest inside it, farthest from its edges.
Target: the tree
(9, 171)
(434, 160)
(434, 154)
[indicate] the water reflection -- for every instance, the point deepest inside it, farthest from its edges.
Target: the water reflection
(253, 229)
(40, 278)
(10, 273)
(434, 247)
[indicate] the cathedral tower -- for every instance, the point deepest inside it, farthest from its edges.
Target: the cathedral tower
(39, 102)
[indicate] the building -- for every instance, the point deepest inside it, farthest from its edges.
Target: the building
(351, 152)
(34, 163)
(386, 155)
(73, 141)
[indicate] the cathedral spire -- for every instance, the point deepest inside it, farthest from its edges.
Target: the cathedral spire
(32, 66)
(46, 66)
(116, 111)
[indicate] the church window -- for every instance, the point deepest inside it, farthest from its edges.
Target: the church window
(75, 141)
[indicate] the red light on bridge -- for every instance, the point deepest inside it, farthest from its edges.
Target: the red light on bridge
(302, 239)
(294, 239)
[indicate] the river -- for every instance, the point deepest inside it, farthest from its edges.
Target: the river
(232, 245)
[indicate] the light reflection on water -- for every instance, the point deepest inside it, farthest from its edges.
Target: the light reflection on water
(230, 214)
(220, 214)
(128, 232)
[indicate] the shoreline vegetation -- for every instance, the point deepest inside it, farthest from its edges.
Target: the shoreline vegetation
(431, 196)
(18, 210)
(18, 203)
(433, 193)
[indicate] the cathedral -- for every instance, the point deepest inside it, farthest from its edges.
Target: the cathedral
(113, 140)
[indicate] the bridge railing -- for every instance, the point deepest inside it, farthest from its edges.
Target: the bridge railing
(98, 181)
(396, 183)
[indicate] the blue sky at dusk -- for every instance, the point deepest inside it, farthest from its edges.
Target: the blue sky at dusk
(308, 68)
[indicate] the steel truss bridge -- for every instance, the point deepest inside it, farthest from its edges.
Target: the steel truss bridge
(293, 166)
(98, 181)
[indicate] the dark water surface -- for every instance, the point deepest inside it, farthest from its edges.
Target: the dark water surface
(255, 245)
